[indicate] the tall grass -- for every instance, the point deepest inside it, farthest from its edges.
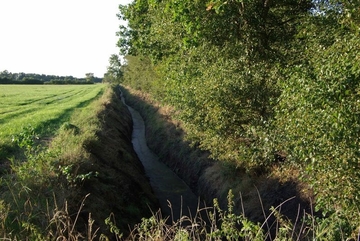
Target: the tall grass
(215, 224)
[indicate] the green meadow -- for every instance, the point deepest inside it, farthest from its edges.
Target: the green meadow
(43, 107)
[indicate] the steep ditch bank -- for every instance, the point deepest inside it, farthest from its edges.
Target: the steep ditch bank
(211, 179)
(120, 187)
(175, 196)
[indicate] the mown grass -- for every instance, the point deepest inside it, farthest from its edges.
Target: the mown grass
(42, 107)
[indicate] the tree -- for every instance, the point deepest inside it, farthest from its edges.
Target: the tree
(217, 62)
(317, 116)
(89, 77)
(252, 78)
(114, 70)
(6, 75)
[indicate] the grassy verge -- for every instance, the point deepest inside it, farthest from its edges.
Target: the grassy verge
(84, 182)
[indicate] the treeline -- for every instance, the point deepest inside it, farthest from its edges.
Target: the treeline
(7, 77)
(259, 84)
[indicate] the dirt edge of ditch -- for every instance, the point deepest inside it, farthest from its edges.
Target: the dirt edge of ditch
(120, 188)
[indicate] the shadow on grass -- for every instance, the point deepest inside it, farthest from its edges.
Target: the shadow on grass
(44, 129)
(50, 127)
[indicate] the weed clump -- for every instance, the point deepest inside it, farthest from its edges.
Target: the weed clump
(70, 127)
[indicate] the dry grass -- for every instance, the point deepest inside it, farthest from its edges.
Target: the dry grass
(214, 223)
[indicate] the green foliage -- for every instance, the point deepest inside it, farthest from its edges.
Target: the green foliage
(73, 177)
(234, 227)
(112, 226)
(158, 29)
(66, 126)
(251, 79)
(26, 138)
(139, 72)
(89, 77)
(114, 72)
(221, 108)
(218, 67)
(34, 167)
(318, 118)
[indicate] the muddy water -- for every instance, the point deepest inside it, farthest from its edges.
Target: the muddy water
(168, 187)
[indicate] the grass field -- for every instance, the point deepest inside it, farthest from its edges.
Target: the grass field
(43, 169)
(44, 107)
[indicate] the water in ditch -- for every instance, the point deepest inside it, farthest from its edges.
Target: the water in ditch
(175, 197)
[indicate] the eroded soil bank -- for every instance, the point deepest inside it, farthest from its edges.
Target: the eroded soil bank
(175, 197)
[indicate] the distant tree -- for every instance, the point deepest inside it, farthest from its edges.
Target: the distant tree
(5, 74)
(108, 78)
(89, 77)
(19, 76)
(6, 77)
(30, 80)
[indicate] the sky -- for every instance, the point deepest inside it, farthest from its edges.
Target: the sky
(58, 37)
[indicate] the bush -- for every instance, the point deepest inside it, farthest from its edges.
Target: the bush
(318, 123)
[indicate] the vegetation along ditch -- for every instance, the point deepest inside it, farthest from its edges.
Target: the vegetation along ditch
(93, 178)
(253, 195)
(255, 105)
(269, 90)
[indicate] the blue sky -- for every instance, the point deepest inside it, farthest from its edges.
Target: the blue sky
(67, 37)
